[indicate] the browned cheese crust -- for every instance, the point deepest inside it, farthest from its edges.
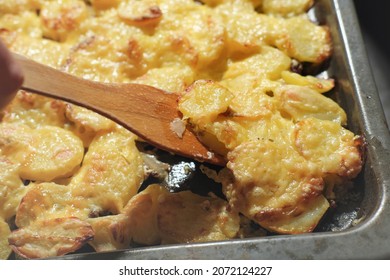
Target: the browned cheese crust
(70, 177)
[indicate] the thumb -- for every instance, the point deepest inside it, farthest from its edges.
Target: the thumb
(11, 76)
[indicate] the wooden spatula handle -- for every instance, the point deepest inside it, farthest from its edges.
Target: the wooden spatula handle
(144, 110)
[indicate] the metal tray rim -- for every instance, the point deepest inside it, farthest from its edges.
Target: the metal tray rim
(367, 240)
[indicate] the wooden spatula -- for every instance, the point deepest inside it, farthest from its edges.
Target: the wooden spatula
(146, 111)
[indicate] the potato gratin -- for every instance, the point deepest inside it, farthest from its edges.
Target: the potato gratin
(70, 177)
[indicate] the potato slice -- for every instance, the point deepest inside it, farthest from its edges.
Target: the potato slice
(233, 131)
(286, 7)
(319, 85)
(45, 200)
(300, 103)
(5, 249)
(111, 233)
(334, 149)
(141, 212)
(191, 32)
(137, 223)
(56, 153)
(60, 18)
(255, 105)
(55, 53)
(156, 216)
(35, 110)
(247, 30)
(45, 153)
(203, 101)
(271, 182)
(86, 123)
(297, 37)
(303, 40)
(12, 188)
(50, 238)
(170, 78)
(26, 22)
(186, 217)
(140, 13)
(302, 222)
(223, 134)
(267, 63)
(112, 171)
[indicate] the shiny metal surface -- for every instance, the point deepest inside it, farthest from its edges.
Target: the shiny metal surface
(368, 239)
(373, 21)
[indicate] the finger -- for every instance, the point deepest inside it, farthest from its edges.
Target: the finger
(11, 76)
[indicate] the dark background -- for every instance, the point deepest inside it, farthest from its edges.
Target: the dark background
(374, 17)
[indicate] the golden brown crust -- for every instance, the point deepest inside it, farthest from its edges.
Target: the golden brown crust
(140, 13)
(342, 156)
(5, 249)
(271, 182)
(244, 101)
(50, 238)
(60, 19)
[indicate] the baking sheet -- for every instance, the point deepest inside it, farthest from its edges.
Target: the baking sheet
(366, 236)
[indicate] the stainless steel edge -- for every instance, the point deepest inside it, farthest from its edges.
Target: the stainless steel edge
(369, 239)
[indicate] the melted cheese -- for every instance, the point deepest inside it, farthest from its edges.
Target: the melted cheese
(12, 189)
(232, 61)
(156, 216)
(282, 149)
(5, 249)
(51, 237)
(45, 153)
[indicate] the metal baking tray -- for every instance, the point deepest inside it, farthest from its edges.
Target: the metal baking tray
(358, 229)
